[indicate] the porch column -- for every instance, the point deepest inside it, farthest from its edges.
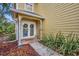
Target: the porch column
(16, 29)
(41, 29)
(19, 31)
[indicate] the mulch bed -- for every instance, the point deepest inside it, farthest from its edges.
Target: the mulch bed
(11, 49)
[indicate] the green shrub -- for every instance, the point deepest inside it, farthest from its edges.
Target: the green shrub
(70, 45)
(48, 40)
(66, 45)
(59, 40)
(12, 37)
(10, 29)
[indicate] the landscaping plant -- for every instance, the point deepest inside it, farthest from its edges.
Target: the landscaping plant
(66, 45)
(12, 37)
(7, 26)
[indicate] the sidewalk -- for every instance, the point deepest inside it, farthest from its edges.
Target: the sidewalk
(43, 50)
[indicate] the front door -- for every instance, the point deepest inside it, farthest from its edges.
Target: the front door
(29, 29)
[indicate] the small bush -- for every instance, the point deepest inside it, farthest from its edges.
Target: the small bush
(12, 37)
(70, 45)
(48, 40)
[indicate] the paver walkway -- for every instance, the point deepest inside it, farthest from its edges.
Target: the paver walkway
(43, 50)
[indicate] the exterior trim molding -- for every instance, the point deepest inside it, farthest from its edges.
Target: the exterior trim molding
(29, 13)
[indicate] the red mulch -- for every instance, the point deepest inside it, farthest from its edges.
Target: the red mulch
(11, 49)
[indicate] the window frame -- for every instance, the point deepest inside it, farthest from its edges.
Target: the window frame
(31, 7)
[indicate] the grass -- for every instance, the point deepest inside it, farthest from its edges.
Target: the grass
(66, 45)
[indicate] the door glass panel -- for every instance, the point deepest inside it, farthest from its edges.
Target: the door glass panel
(31, 29)
(25, 30)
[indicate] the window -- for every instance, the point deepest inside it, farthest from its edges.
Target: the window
(28, 29)
(25, 30)
(31, 29)
(13, 5)
(29, 6)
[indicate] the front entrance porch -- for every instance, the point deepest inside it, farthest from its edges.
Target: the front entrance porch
(29, 26)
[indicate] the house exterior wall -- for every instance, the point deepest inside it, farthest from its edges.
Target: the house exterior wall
(48, 11)
(58, 17)
(67, 18)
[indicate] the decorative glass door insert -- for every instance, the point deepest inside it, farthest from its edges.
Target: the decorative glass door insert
(29, 29)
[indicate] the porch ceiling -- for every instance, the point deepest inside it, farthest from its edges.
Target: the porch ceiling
(28, 13)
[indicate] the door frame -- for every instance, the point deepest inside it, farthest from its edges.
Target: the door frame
(29, 22)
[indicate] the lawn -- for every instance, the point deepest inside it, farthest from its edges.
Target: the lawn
(11, 49)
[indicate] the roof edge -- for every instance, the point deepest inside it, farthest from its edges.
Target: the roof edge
(29, 13)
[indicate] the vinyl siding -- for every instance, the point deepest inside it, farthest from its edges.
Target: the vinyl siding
(62, 17)
(47, 10)
(67, 18)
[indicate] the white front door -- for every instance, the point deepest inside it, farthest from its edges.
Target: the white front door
(28, 29)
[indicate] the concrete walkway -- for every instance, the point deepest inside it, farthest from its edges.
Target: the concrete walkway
(43, 50)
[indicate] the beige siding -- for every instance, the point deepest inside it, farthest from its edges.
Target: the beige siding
(67, 18)
(60, 17)
(48, 11)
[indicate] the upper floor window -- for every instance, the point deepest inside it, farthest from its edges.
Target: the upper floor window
(29, 6)
(13, 5)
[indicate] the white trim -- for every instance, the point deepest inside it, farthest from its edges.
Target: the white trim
(33, 7)
(16, 29)
(16, 5)
(29, 13)
(19, 31)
